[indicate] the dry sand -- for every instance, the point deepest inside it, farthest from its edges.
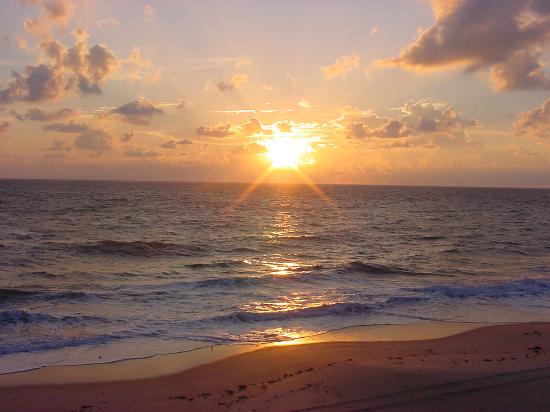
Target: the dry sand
(494, 368)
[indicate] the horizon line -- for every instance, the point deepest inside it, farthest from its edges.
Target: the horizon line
(270, 183)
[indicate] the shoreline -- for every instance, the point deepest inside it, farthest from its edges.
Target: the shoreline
(495, 366)
(162, 364)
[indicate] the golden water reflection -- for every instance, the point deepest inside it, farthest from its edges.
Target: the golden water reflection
(284, 268)
(287, 303)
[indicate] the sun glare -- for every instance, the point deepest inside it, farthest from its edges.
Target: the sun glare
(286, 152)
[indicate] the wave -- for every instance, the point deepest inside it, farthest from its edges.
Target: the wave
(42, 274)
(230, 281)
(224, 264)
(139, 248)
(429, 238)
(19, 316)
(240, 249)
(371, 268)
(332, 309)
(521, 287)
(403, 300)
(8, 295)
(44, 344)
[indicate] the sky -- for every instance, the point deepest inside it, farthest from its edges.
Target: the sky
(399, 92)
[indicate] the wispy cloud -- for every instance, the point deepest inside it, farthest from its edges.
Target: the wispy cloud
(342, 67)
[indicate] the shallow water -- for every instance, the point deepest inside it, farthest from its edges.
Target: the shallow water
(112, 269)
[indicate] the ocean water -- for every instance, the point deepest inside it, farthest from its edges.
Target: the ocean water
(98, 271)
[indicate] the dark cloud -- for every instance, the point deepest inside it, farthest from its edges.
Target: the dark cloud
(234, 83)
(217, 131)
(57, 9)
(4, 126)
(60, 145)
(506, 36)
(71, 127)
(173, 144)
(76, 69)
(127, 136)
(97, 140)
(140, 153)
(390, 128)
(417, 119)
(535, 122)
(40, 115)
(139, 112)
(37, 83)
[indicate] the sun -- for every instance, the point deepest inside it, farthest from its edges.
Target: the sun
(286, 152)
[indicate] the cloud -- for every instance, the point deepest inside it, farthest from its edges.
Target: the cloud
(149, 13)
(374, 31)
(292, 79)
(507, 37)
(76, 69)
(106, 22)
(390, 128)
(253, 126)
(418, 118)
(97, 140)
(54, 14)
(37, 83)
(141, 153)
(232, 84)
(253, 148)
(60, 145)
(140, 68)
(425, 116)
(241, 63)
(127, 136)
(217, 131)
(71, 127)
(173, 144)
(184, 104)
(89, 138)
(4, 126)
(342, 67)
(304, 104)
(284, 127)
(39, 115)
(140, 112)
(535, 122)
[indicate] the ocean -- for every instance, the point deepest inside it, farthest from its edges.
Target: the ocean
(100, 271)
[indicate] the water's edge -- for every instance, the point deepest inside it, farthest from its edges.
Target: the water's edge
(170, 363)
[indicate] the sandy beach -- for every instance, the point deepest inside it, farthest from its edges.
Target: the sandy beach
(493, 368)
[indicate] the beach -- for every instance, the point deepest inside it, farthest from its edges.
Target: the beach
(498, 367)
(274, 205)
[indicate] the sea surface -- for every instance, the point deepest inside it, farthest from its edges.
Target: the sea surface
(99, 271)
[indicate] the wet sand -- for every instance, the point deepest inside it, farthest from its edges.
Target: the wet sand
(500, 368)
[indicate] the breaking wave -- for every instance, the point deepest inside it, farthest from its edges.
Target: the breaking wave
(19, 316)
(337, 309)
(521, 287)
